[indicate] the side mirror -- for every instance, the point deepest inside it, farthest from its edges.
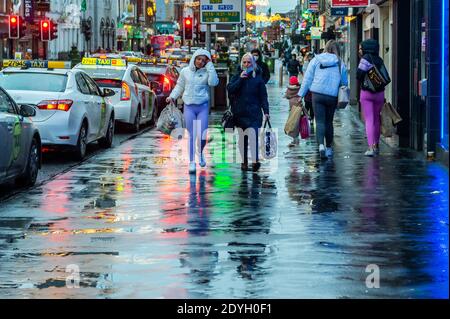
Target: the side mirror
(108, 92)
(27, 110)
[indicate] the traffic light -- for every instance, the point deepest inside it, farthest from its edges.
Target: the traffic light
(188, 24)
(14, 27)
(86, 29)
(22, 27)
(53, 30)
(45, 30)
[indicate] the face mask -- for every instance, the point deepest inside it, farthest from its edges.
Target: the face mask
(249, 70)
(256, 57)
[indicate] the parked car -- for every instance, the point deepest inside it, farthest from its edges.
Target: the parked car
(20, 155)
(71, 110)
(134, 100)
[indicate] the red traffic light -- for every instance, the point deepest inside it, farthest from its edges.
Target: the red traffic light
(14, 27)
(45, 24)
(13, 19)
(188, 22)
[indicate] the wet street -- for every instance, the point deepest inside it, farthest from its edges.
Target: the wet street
(136, 225)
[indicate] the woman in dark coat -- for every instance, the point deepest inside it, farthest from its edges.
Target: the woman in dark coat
(248, 94)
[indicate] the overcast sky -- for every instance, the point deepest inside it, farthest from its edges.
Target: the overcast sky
(282, 6)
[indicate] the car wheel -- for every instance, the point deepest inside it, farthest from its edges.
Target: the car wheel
(80, 151)
(30, 176)
(107, 141)
(136, 125)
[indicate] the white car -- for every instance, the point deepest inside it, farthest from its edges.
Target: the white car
(134, 102)
(71, 110)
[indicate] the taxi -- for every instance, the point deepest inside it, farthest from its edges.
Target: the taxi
(134, 102)
(163, 76)
(71, 110)
(20, 156)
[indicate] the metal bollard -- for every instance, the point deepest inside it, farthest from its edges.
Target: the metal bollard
(280, 74)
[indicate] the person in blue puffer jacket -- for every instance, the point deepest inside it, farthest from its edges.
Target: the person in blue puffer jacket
(325, 74)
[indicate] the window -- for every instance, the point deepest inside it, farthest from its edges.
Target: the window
(135, 76)
(143, 78)
(33, 81)
(6, 105)
(82, 85)
(93, 88)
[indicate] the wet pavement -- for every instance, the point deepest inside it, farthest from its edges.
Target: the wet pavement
(136, 225)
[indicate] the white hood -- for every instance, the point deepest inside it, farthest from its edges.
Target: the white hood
(196, 54)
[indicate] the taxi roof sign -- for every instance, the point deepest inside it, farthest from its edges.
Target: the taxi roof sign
(37, 64)
(104, 62)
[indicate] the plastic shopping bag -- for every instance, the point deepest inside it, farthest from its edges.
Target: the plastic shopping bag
(170, 119)
(269, 142)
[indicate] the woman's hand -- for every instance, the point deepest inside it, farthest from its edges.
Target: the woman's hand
(170, 100)
(244, 75)
(267, 117)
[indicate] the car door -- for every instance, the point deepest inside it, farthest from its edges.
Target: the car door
(16, 155)
(141, 92)
(99, 105)
(6, 138)
(148, 93)
(87, 100)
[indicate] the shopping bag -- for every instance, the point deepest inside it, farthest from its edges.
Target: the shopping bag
(343, 97)
(305, 128)
(228, 120)
(292, 125)
(170, 119)
(268, 148)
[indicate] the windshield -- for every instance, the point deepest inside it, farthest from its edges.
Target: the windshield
(104, 73)
(32, 81)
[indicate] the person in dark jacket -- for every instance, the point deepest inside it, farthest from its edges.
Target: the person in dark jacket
(371, 102)
(261, 64)
(294, 67)
(249, 101)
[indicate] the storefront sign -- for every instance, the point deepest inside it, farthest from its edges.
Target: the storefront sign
(29, 11)
(314, 5)
(221, 11)
(349, 3)
(339, 12)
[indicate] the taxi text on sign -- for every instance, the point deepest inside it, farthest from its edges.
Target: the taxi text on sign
(349, 3)
(221, 11)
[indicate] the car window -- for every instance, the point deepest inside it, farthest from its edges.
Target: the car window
(143, 77)
(82, 85)
(175, 72)
(92, 85)
(135, 76)
(6, 105)
(33, 81)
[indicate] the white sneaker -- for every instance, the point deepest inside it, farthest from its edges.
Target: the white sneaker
(322, 151)
(192, 168)
(369, 153)
(202, 161)
(329, 152)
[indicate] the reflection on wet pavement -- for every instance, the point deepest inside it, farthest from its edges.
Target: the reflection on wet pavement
(138, 226)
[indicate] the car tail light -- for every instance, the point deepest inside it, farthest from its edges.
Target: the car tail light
(166, 84)
(125, 94)
(55, 105)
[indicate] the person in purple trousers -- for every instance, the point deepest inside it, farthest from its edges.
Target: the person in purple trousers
(371, 102)
(193, 85)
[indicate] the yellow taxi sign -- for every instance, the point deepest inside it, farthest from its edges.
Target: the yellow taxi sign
(38, 64)
(103, 62)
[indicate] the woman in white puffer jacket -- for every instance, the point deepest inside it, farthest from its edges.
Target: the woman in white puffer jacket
(193, 85)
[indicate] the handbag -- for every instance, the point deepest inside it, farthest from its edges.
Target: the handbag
(376, 79)
(305, 128)
(292, 124)
(343, 96)
(269, 146)
(228, 120)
